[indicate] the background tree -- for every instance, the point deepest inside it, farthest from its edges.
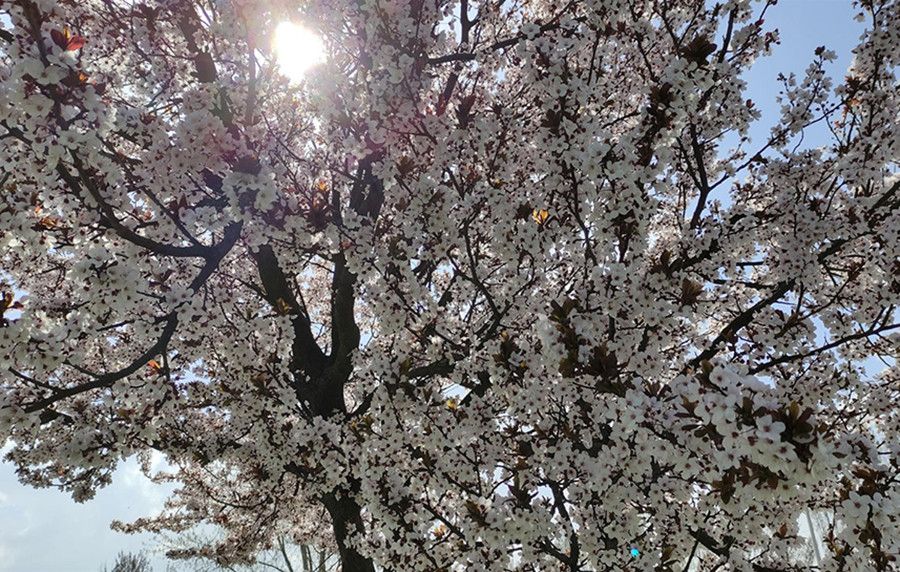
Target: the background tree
(500, 285)
(131, 562)
(190, 550)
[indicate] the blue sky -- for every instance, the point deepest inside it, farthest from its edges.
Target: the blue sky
(42, 530)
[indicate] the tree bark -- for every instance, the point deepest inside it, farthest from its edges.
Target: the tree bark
(346, 519)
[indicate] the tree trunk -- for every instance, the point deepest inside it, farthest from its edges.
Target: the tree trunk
(346, 519)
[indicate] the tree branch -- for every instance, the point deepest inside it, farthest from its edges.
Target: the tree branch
(232, 233)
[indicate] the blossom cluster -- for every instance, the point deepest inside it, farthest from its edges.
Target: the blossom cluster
(498, 286)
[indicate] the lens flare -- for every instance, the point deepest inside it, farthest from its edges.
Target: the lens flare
(297, 49)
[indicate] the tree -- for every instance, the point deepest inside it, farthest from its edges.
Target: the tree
(499, 285)
(284, 556)
(129, 562)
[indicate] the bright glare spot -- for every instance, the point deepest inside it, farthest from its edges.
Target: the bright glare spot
(297, 50)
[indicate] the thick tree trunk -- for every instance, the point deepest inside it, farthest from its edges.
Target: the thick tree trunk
(346, 519)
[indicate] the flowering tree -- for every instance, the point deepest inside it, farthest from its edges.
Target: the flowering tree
(499, 285)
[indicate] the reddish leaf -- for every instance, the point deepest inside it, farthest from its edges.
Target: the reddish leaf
(75, 43)
(155, 367)
(60, 37)
(65, 40)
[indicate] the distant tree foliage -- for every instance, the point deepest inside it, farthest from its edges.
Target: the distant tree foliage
(188, 548)
(131, 562)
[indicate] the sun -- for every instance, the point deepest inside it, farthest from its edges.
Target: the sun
(297, 49)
